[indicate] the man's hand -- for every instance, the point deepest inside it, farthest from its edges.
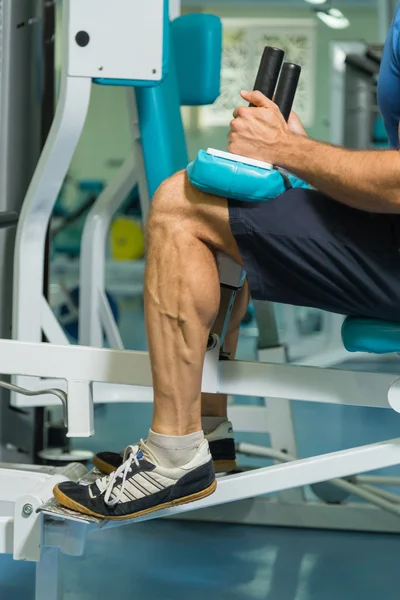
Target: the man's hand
(259, 132)
(366, 180)
(295, 125)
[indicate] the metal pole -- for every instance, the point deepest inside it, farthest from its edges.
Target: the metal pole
(386, 10)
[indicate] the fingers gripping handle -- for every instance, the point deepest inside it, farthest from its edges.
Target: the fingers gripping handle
(232, 176)
(286, 90)
(267, 78)
(268, 72)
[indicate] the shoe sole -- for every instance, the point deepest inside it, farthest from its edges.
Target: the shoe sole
(104, 467)
(220, 466)
(72, 505)
(224, 466)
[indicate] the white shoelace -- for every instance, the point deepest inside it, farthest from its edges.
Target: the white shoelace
(107, 483)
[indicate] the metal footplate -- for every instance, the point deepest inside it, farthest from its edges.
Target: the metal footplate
(53, 509)
(269, 480)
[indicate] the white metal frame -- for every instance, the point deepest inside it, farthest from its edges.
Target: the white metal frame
(24, 489)
(102, 58)
(88, 365)
(95, 315)
(78, 366)
(321, 348)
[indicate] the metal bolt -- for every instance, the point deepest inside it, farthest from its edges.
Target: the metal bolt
(82, 38)
(27, 510)
(101, 68)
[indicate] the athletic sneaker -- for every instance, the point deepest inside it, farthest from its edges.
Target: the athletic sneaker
(141, 486)
(222, 448)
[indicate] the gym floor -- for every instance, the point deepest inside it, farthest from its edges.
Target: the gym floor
(163, 560)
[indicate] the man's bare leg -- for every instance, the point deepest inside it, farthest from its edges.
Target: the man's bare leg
(182, 295)
(183, 212)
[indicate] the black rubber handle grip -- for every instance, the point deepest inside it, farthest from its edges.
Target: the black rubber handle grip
(268, 71)
(287, 86)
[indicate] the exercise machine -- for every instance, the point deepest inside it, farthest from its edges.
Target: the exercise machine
(79, 376)
(24, 113)
(355, 121)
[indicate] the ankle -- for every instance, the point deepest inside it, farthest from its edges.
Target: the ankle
(174, 451)
(175, 429)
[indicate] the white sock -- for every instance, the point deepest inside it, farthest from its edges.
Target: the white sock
(173, 451)
(210, 424)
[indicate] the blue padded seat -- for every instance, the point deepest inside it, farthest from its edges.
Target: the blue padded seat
(371, 335)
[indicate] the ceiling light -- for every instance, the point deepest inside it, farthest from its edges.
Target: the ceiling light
(316, 1)
(333, 18)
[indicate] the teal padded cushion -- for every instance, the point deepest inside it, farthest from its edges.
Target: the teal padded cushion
(371, 335)
(197, 45)
(237, 181)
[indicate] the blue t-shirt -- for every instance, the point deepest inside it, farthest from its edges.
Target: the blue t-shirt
(389, 82)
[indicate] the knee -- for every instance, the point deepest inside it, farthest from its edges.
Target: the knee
(171, 196)
(171, 208)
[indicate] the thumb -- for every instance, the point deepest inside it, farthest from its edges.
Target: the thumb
(256, 98)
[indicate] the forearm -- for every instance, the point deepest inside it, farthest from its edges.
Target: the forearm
(368, 180)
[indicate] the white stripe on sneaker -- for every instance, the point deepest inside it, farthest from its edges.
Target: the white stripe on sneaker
(152, 486)
(139, 487)
(151, 480)
(129, 495)
(129, 490)
(134, 486)
(161, 479)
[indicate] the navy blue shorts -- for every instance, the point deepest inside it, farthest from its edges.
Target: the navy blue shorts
(305, 249)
